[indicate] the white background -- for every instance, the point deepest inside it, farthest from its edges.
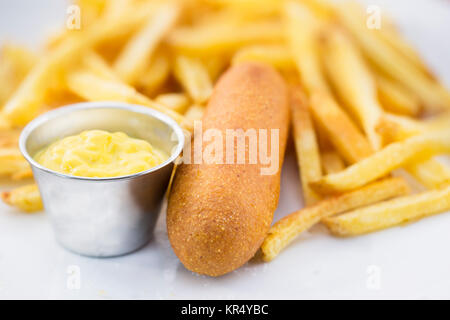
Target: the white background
(411, 261)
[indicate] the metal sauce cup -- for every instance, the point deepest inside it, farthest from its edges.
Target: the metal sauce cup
(103, 217)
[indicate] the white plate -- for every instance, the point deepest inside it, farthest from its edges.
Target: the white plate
(404, 262)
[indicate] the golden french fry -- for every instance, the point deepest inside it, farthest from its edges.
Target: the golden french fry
(395, 98)
(351, 144)
(97, 65)
(322, 137)
(277, 56)
(194, 113)
(390, 213)
(25, 102)
(390, 35)
(306, 146)
(156, 75)
(5, 124)
(433, 95)
(21, 58)
(55, 39)
(215, 66)
(249, 8)
(194, 77)
(174, 101)
(204, 16)
(94, 88)
(26, 198)
(22, 174)
(302, 32)
(353, 82)
(15, 62)
(90, 11)
(288, 228)
(322, 8)
(437, 122)
(135, 57)
(28, 98)
(9, 138)
(331, 162)
(417, 148)
(396, 128)
(223, 38)
(432, 173)
(13, 164)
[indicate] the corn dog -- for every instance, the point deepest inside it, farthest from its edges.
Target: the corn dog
(219, 214)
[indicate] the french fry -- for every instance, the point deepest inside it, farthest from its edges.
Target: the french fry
(28, 98)
(194, 78)
(353, 82)
(249, 8)
(437, 122)
(306, 146)
(156, 75)
(5, 124)
(223, 38)
(122, 11)
(322, 8)
(215, 66)
(97, 65)
(22, 173)
(174, 101)
(433, 96)
(15, 63)
(25, 102)
(395, 98)
(90, 11)
(9, 138)
(21, 58)
(351, 144)
(206, 16)
(13, 164)
(432, 173)
(135, 56)
(94, 88)
(55, 39)
(390, 35)
(277, 56)
(26, 198)
(390, 213)
(414, 149)
(331, 162)
(302, 32)
(114, 9)
(288, 228)
(396, 128)
(195, 112)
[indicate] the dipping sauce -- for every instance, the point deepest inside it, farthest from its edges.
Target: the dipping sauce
(100, 154)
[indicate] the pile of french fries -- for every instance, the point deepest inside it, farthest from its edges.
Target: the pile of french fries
(363, 102)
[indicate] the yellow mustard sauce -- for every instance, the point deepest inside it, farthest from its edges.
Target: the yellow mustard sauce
(100, 154)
